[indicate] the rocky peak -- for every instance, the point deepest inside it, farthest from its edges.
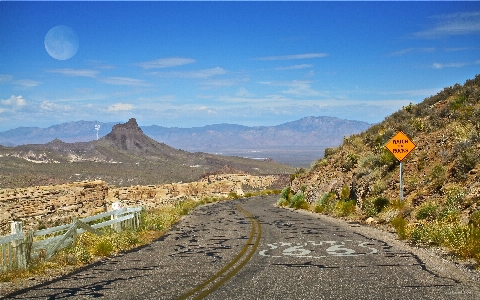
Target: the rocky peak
(129, 137)
(131, 126)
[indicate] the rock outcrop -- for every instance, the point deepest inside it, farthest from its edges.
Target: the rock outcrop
(57, 204)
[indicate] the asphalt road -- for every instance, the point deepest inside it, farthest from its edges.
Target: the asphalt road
(250, 249)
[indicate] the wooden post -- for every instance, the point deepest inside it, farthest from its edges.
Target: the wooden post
(28, 243)
(18, 248)
(115, 206)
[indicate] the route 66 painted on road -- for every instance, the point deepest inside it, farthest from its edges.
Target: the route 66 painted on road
(321, 249)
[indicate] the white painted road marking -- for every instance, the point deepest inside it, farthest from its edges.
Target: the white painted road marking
(329, 248)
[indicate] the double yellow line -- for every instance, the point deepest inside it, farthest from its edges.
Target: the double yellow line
(232, 268)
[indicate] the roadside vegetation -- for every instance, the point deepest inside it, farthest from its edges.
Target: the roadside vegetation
(359, 180)
(90, 247)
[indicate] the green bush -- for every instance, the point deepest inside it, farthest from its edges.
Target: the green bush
(298, 201)
(350, 161)
(345, 208)
(345, 193)
(427, 211)
(373, 206)
(400, 225)
(285, 195)
(233, 195)
(326, 203)
(282, 202)
(103, 248)
(438, 176)
(329, 152)
(475, 218)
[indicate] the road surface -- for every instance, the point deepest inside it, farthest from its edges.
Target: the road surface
(251, 249)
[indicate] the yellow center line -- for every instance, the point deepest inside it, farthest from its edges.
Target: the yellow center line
(256, 227)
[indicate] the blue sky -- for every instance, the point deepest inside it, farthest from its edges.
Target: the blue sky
(179, 64)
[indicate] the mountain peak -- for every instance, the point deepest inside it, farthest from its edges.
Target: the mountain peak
(130, 125)
(129, 136)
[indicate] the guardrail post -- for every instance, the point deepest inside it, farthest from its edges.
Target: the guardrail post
(115, 206)
(18, 245)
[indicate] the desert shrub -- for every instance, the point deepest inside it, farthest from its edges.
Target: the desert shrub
(458, 102)
(125, 240)
(285, 196)
(345, 193)
(409, 108)
(427, 211)
(475, 218)
(319, 163)
(466, 159)
(380, 203)
(400, 225)
(329, 152)
(345, 208)
(298, 173)
(373, 206)
(103, 248)
(81, 254)
(449, 214)
(298, 201)
(418, 124)
(463, 240)
(233, 195)
(282, 202)
(325, 203)
(438, 176)
(350, 161)
(378, 187)
(455, 196)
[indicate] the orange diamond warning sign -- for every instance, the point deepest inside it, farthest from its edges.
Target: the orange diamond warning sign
(400, 146)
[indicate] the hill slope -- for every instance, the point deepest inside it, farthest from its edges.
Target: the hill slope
(125, 156)
(441, 176)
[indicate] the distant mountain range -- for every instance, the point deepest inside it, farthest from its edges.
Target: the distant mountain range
(308, 131)
(296, 143)
(125, 156)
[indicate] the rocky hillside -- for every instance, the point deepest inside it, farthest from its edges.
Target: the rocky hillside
(441, 176)
(125, 156)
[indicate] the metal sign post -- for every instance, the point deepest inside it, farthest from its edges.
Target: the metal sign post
(400, 146)
(401, 183)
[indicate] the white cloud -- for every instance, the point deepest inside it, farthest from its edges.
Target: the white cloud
(50, 106)
(295, 56)
(205, 109)
(14, 102)
(295, 67)
(205, 73)
(243, 92)
(301, 88)
(449, 65)
(460, 23)
(411, 51)
(123, 81)
(165, 63)
(75, 72)
(27, 82)
(5, 78)
(120, 107)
